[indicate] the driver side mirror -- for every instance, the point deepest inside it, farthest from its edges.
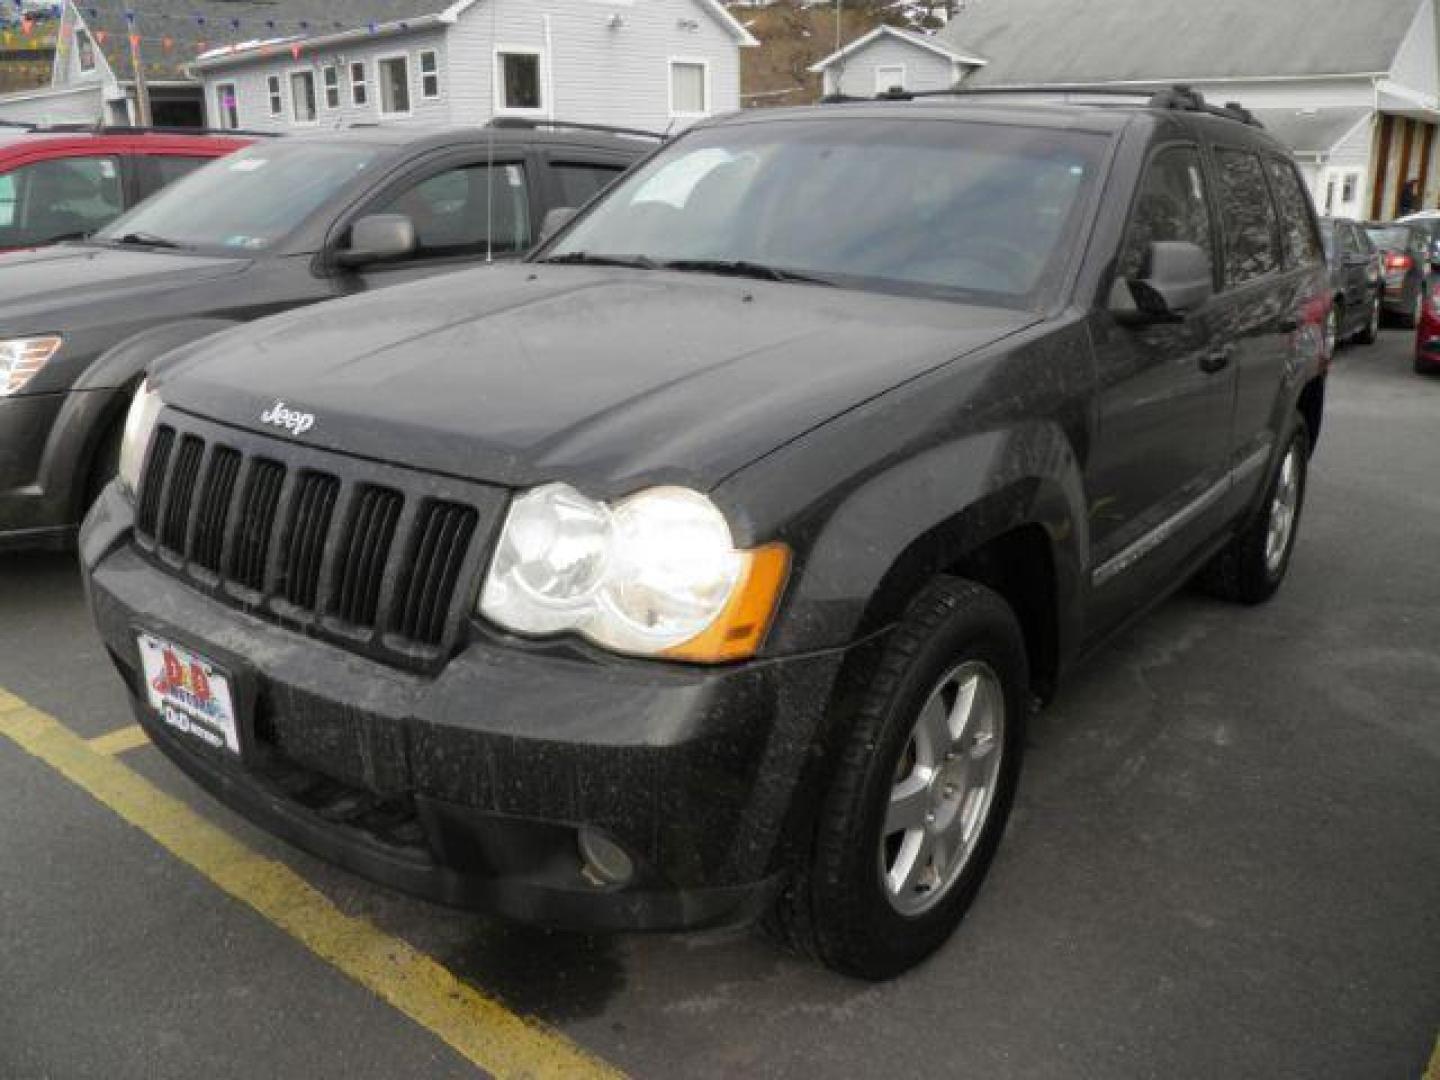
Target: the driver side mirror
(556, 220)
(1179, 278)
(378, 238)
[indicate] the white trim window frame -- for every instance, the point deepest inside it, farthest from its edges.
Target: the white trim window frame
(500, 90)
(274, 90)
(381, 84)
(429, 77)
(362, 84)
(84, 49)
(295, 118)
(884, 84)
(330, 87)
(706, 92)
(227, 106)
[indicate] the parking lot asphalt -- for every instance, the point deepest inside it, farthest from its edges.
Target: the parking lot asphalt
(1224, 862)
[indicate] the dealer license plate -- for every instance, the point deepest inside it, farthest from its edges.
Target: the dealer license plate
(190, 693)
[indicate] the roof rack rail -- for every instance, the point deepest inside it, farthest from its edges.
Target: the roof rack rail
(1179, 97)
(136, 129)
(522, 123)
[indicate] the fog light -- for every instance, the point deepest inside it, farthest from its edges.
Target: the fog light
(606, 862)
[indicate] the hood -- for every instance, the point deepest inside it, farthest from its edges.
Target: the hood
(605, 378)
(37, 284)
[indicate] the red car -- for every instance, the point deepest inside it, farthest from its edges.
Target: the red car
(63, 183)
(1427, 335)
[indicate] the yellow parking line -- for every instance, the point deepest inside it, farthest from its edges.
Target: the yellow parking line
(118, 742)
(476, 1026)
(1433, 1072)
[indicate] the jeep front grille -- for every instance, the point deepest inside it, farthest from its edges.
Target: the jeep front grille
(365, 554)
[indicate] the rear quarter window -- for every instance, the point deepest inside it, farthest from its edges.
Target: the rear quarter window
(1252, 247)
(1297, 226)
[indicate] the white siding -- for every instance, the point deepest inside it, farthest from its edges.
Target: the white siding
(81, 105)
(253, 96)
(1417, 63)
(595, 72)
(854, 75)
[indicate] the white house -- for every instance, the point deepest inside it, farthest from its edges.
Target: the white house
(651, 64)
(889, 58)
(1352, 87)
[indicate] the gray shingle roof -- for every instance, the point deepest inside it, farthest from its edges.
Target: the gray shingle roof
(1089, 41)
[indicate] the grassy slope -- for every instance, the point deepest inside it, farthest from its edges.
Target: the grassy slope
(791, 39)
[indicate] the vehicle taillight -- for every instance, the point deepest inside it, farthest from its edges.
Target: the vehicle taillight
(1398, 262)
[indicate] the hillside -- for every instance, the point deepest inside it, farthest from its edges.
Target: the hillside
(794, 34)
(25, 60)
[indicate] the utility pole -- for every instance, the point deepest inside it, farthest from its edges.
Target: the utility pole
(142, 89)
(838, 5)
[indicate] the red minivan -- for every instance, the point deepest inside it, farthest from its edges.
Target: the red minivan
(64, 183)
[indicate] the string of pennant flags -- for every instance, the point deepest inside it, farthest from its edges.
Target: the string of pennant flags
(238, 29)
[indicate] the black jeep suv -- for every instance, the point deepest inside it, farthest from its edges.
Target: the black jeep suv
(283, 224)
(708, 562)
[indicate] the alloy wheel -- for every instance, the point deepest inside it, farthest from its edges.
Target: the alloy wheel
(1283, 507)
(944, 788)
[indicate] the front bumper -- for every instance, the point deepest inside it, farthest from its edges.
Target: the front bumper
(468, 785)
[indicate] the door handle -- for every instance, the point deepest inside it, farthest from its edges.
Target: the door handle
(1216, 361)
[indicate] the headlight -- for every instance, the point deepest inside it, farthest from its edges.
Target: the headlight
(139, 426)
(656, 574)
(21, 360)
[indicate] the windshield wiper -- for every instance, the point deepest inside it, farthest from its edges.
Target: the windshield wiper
(744, 268)
(144, 239)
(587, 258)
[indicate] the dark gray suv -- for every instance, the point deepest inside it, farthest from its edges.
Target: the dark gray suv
(707, 564)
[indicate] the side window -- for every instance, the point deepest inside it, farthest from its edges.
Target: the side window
(1251, 248)
(1171, 206)
(579, 183)
(62, 197)
(1302, 246)
(7, 200)
(452, 210)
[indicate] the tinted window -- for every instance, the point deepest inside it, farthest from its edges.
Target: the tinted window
(166, 170)
(1251, 249)
(581, 183)
(980, 212)
(1391, 238)
(63, 197)
(467, 211)
(1297, 228)
(1171, 206)
(250, 200)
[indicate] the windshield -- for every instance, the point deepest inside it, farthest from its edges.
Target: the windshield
(972, 211)
(246, 202)
(1394, 239)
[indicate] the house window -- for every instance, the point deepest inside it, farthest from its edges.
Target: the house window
(394, 86)
(359, 88)
(429, 74)
(519, 76)
(689, 88)
(84, 51)
(227, 106)
(331, 78)
(277, 103)
(302, 96)
(889, 78)
(1348, 193)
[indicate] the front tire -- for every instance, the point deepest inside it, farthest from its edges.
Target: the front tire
(921, 791)
(1251, 567)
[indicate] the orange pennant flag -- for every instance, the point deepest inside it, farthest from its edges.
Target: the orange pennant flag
(135, 41)
(101, 35)
(167, 43)
(27, 26)
(295, 50)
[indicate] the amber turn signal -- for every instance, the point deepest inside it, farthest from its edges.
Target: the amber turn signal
(740, 629)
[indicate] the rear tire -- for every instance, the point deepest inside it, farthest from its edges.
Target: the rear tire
(914, 811)
(1251, 567)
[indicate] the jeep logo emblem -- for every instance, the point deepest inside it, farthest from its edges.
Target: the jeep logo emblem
(297, 423)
